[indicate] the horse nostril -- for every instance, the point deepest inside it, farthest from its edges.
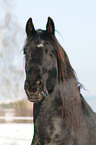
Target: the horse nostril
(38, 82)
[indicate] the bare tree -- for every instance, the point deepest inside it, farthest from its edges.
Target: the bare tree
(11, 64)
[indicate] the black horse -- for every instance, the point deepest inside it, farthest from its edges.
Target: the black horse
(61, 115)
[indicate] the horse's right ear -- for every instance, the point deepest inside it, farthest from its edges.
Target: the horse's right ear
(50, 27)
(30, 30)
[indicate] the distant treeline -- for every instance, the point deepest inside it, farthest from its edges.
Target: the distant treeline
(21, 104)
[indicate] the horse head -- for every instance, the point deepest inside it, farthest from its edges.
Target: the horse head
(41, 61)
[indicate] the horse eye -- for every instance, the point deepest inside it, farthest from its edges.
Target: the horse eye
(24, 52)
(51, 53)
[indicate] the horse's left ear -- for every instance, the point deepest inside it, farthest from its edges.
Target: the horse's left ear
(50, 27)
(30, 30)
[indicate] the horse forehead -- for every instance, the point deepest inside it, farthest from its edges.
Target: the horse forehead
(40, 40)
(41, 43)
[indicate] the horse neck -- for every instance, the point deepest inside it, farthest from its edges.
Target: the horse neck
(71, 103)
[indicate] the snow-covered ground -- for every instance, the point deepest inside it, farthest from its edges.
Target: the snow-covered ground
(16, 133)
(21, 133)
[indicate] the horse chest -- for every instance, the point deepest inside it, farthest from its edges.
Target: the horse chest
(53, 131)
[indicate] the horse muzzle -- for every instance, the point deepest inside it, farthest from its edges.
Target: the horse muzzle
(34, 90)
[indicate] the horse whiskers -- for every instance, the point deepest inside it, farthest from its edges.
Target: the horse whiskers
(45, 93)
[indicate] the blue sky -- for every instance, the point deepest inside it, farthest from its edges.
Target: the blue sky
(75, 20)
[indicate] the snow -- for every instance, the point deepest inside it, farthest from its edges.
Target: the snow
(16, 133)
